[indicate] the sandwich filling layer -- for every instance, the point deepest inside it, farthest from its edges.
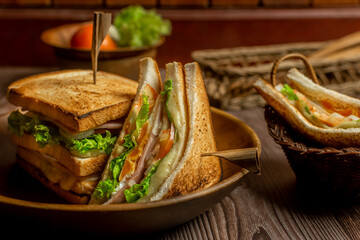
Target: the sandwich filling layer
(58, 174)
(149, 135)
(85, 144)
(321, 113)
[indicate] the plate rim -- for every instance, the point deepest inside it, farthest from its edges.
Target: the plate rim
(147, 205)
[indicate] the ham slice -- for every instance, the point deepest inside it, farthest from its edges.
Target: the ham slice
(138, 174)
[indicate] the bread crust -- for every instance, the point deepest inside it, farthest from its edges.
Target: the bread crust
(334, 137)
(69, 196)
(319, 93)
(71, 97)
(195, 172)
(78, 166)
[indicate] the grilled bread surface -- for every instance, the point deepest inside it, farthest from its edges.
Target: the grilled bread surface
(194, 172)
(71, 97)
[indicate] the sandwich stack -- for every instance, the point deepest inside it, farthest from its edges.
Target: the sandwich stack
(66, 126)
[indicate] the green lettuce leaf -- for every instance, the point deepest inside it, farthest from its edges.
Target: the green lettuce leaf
(137, 191)
(288, 92)
(20, 123)
(140, 27)
(45, 134)
(116, 164)
(94, 142)
(167, 91)
(105, 188)
(142, 117)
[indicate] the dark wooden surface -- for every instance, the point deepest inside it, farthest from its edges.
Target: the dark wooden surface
(271, 206)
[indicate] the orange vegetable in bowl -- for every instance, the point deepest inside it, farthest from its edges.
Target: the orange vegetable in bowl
(82, 38)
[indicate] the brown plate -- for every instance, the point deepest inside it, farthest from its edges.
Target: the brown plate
(59, 38)
(23, 197)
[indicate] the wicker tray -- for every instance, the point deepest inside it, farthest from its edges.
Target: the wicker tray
(230, 73)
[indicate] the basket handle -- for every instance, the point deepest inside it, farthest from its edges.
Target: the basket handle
(307, 64)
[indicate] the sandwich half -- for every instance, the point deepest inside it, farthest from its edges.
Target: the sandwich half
(66, 126)
(158, 155)
(321, 115)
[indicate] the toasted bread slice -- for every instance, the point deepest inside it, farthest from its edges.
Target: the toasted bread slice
(37, 174)
(71, 97)
(193, 172)
(177, 105)
(55, 177)
(78, 166)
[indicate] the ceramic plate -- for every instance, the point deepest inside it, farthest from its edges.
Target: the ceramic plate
(23, 197)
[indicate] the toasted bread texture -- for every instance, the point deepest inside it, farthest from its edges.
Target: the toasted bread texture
(72, 189)
(331, 137)
(71, 97)
(320, 93)
(78, 166)
(194, 172)
(178, 110)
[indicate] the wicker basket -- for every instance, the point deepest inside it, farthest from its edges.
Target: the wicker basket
(230, 73)
(337, 170)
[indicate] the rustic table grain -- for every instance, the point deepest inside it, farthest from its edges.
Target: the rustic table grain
(271, 206)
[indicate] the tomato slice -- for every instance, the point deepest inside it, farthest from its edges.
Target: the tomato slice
(131, 160)
(342, 111)
(82, 38)
(166, 141)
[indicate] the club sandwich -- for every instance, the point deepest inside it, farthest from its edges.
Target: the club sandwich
(65, 127)
(157, 154)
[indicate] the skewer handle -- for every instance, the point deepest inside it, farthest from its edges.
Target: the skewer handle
(247, 158)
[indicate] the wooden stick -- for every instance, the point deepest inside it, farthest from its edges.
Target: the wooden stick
(247, 158)
(102, 22)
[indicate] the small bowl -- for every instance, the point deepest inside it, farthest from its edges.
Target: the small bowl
(122, 61)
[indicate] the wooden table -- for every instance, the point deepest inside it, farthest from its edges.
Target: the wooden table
(270, 206)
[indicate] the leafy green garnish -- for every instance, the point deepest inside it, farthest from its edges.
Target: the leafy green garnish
(94, 142)
(45, 134)
(142, 117)
(137, 191)
(167, 91)
(307, 110)
(139, 27)
(289, 93)
(128, 142)
(20, 123)
(105, 188)
(116, 164)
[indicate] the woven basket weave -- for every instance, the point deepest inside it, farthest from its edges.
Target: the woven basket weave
(230, 73)
(337, 170)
